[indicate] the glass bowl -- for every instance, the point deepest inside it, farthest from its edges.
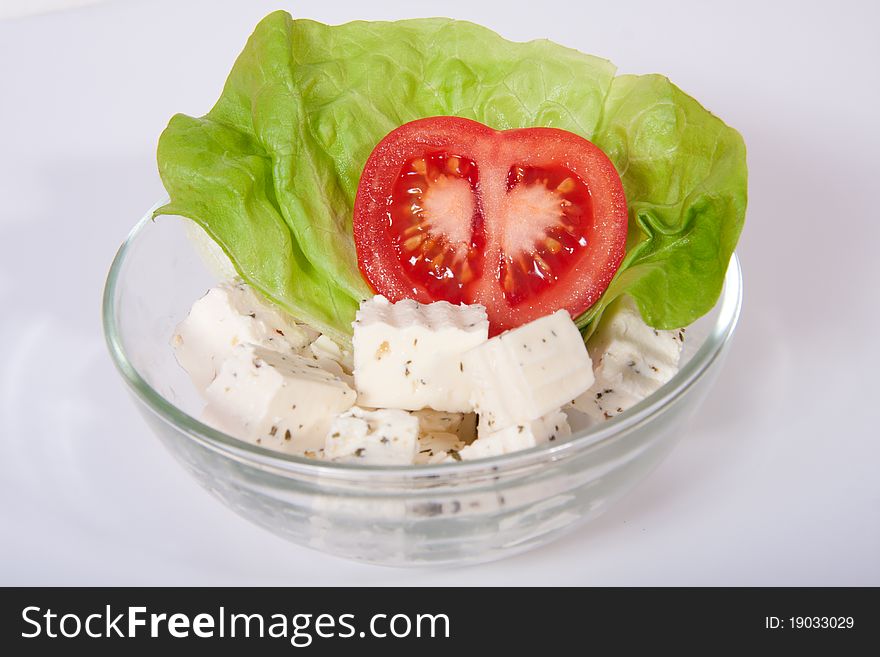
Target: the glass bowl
(404, 515)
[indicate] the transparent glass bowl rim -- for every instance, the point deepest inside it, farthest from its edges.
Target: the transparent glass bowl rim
(592, 438)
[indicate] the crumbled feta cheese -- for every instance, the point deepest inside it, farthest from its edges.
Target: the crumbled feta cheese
(549, 428)
(280, 401)
(228, 315)
(438, 447)
(380, 437)
(528, 372)
(408, 355)
(431, 420)
(632, 361)
(324, 348)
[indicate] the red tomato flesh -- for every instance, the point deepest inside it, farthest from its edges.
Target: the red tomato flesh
(523, 221)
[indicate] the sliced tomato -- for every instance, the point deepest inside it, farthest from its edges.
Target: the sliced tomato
(523, 221)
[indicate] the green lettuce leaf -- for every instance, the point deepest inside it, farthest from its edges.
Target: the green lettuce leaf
(684, 174)
(272, 170)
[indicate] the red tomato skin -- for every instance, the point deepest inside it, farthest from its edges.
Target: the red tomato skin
(494, 151)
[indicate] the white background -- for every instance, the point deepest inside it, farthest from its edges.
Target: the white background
(775, 483)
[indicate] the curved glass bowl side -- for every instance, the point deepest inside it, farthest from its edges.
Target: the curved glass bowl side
(465, 512)
(427, 521)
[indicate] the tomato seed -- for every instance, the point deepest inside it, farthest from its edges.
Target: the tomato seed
(413, 242)
(566, 186)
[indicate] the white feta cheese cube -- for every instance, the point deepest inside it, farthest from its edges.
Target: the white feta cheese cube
(380, 437)
(228, 315)
(602, 402)
(331, 366)
(549, 428)
(279, 401)
(438, 446)
(524, 374)
(408, 355)
(632, 360)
